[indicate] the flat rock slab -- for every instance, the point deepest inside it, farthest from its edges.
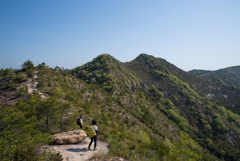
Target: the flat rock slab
(70, 137)
(78, 152)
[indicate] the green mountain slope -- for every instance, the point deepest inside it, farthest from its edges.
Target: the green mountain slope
(147, 109)
(164, 89)
(228, 76)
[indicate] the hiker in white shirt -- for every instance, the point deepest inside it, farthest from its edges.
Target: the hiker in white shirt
(81, 122)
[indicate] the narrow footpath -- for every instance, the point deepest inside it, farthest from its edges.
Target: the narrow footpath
(78, 152)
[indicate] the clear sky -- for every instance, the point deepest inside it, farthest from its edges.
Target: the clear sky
(191, 34)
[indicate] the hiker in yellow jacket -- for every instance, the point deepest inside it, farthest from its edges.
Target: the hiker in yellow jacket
(93, 133)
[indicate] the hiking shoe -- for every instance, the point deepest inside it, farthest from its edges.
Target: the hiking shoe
(95, 149)
(89, 149)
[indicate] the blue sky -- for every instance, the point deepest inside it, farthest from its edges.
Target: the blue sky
(202, 34)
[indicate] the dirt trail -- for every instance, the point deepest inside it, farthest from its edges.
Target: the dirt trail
(77, 152)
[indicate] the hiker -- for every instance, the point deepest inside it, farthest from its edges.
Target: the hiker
(80, 122)
(93, 133)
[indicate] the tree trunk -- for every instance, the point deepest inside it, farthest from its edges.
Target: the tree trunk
(61, 118)
(47, 123)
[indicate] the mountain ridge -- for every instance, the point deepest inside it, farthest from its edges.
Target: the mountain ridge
(144, 107)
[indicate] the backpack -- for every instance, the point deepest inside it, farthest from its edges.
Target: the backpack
(90, 131)
(78, 121)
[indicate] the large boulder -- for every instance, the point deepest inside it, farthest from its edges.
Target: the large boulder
(70, 137)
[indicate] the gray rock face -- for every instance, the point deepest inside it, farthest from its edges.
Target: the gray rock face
(70, 137)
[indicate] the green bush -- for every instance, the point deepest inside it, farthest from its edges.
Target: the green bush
(115, 124)
(153, 88)
(93, 87)
(21, 77)
(6, 72)
(201, 115)
(174, 116)
(169, 103)
(209, 141)
(190, 100)
(204, 122)
(120, 68)
(84, 89)
(181, 126)
(216, 116)
(218, 121)
(219, 124)
(23, 91)
(231, 116)
(208, 127)
(109, 122)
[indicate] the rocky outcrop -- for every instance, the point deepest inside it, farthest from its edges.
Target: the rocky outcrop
(132, 86)
(32, 85)
(70, 137)
(232, 137)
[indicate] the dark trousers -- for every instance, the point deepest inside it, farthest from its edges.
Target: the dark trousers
(81, 126)
(95, 141)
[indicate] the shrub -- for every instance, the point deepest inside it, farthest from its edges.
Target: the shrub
(174, 116)
(209, 141)
(201, 115)
(126, 120)
(218, 121)
(181, 126)
(23, 91)
(139, 135)
(97, 65)
(84, 89)
(109, 122)
(153, 88)
(190, 100)
(59, 92)
(222, 109)
(216, 116)
(208, 127)
(7, 71)
(21, 77)
(115, 124)
(93, 87)
(231, 116)
(66, 79)
(204, 122)
(218, 127)
(215, 106)
(120, 68)
(71, 97)
(93, 81)
(168, 103)
(219, 124)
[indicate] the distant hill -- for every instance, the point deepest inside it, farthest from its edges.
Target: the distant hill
(227, 76)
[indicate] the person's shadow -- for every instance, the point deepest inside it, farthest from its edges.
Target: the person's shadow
(76, 150)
